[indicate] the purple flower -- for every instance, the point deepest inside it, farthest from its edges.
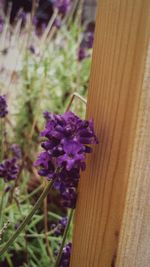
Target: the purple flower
(47, 168)
(63, 222)
(67, 139)
(1, 25)
(16, 150)
(9, 169)
(3, 107)
(57, 23)
(35, 21)
(73, 156)
(47, 115)
(88, 40)
(82, 54)
(67, 179)
(63, 6)
(61, 128)
(60, 227)
(65, 257)
(43, 160)
(87, 43)
(69, 197)
(22, 16)
(66, 183)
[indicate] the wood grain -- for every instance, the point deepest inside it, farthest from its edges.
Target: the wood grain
(116, 94)
(134, 243)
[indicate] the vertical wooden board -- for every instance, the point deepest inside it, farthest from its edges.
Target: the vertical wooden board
(134, 243)
(119, 57)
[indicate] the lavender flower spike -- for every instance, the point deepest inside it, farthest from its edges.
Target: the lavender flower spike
(63, 6)
(67, 139)
(9, 169)
(16, 150)
(3, 107)
(1, 25)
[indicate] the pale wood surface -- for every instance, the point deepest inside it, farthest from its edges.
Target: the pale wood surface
(134, 243)
(116, 94)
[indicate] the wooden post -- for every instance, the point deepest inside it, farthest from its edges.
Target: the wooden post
(114, 190)
(134, 244)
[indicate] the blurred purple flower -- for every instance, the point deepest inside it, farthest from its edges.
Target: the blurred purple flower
(16, 150)
(65, 257)
(60, 227)
(39, 27)
(9, 169)
(57, 23)
(63, 6)
(3, 107)
(63, 222)
(1, 25)
(82, 54)
(47, 115)
(68, 139)
(87, 43)
(35, 21)
(22, 16)
(89, 39)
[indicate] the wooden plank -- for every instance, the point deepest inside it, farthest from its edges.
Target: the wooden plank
(134, 244)
(116, 93)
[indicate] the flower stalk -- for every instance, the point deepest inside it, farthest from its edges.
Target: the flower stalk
(1, 208)
(64, 238)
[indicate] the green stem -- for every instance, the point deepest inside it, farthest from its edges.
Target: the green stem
(25, 236)
(8, 258)
(64, 239)
(38, 189)
(1, 208)
(27, 219)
